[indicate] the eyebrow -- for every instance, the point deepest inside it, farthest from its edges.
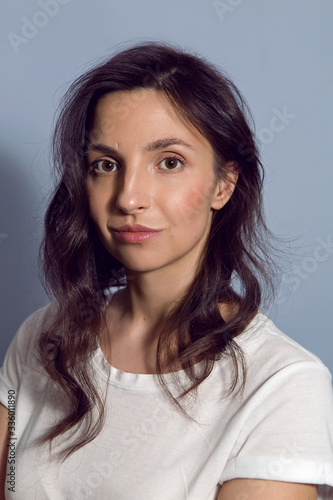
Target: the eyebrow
(152, 146)
(165, 143)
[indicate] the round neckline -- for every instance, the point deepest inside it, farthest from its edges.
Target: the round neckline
(133, 381)
(147, 382)
(138, 382)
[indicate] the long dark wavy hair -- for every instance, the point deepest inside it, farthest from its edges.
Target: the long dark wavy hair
(236, 265)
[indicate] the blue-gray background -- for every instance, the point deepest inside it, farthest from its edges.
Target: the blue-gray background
(278, 53)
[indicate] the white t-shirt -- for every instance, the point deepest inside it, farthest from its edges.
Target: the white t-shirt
(280, 428)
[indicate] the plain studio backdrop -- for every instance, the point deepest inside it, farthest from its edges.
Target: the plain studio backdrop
(278, 52)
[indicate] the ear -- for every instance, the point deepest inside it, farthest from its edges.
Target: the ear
(225, 186)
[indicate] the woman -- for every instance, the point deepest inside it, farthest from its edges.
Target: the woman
(153, 374)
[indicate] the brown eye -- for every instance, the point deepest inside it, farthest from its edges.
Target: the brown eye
(105, 166)
(171, 163)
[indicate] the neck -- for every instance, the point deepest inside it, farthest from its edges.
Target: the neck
(151, 295)
(138, 312)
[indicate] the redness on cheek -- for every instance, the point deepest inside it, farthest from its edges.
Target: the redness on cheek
(196, 200)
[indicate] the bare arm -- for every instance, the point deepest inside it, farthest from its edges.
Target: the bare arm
(3, 448)
(259, 489)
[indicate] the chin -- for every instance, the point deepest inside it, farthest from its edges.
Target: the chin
(136, 265)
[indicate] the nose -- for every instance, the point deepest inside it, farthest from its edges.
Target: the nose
(133, 194)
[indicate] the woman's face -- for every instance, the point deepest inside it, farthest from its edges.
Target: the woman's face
(149, 167)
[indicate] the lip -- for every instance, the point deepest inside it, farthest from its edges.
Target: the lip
(135, 233)
(135, 228)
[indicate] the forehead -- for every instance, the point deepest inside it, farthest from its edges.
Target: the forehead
(143, 114)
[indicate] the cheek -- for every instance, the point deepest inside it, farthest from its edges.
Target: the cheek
(96, 207)
(197, 202)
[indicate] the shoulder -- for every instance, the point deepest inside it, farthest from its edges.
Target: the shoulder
(284, 415)
(280, 374)
(286, 385)
(33, 326)
(267, 348)
(21, 360)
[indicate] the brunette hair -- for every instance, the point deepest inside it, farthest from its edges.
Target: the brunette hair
(235, 267)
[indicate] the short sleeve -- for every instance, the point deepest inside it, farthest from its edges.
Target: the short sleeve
(288, 433)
